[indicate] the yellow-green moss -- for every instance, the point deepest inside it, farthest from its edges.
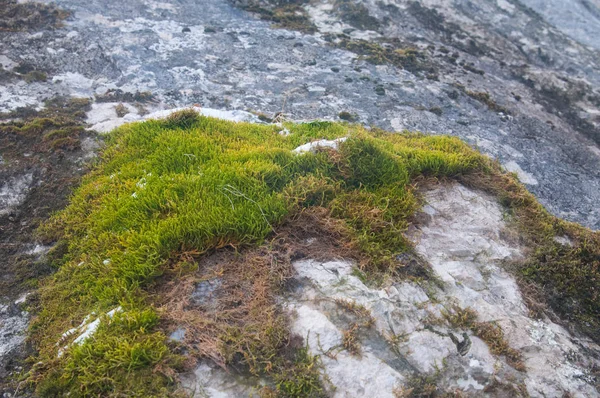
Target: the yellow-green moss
(196, 183)
(191, 183)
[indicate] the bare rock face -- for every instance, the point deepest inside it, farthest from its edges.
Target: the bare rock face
(13, 322)
(463, 242)
(385, 340)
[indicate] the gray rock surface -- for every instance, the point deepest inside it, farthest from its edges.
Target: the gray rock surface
(13, 322)
(461, 236)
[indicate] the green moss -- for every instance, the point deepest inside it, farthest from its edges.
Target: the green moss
(378, 54)
(490, 332)
(118, 95)
(30, 16)
(347, 116)
(301, 377)
(121, 110)
(485, 98)
(196, 183)
(35, 76)
(58, 126)
(284, 14)
(356, 15)
(390, 51)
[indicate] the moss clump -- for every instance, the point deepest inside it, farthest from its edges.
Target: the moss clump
(169, 194)
(15, 16)
(486, 99)
(382, 53)
(284, 14)
(35, 76)
(347, 116)
(190, 183)
(121, 110)
(472, 68)
(118, 95)
(264, 118)
(356, 15)
(436, 110)
(57, 127)
(390, 51)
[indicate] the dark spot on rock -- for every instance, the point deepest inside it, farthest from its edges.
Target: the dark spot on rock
(209, 29)
(186, 30)
(379, 90)
(348, 80)
(264, 118)
(471, 68)
(29, 16)
(486, 99)
(347, 116)
(453, 94)
(283, 14)
(298, 44)
(356, 15)
(118, 95)
(335, 69)
(437, 110)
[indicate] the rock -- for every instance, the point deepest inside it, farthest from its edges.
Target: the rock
(315, 145)
(403, 342)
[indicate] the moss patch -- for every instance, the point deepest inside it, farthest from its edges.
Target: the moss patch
(356, 15)
(121, 110)
(347, 116)
(484, 98)
(387, 52)
(16, 16)
(118, 95)
(45, 144)
(198, 184)
(188, 201)
(282, 13)
(58, 125)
